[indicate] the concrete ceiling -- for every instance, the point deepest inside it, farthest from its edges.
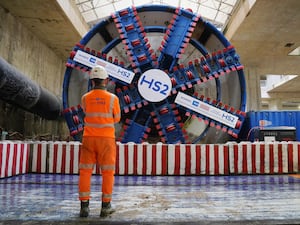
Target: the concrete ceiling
(269, 31)
(49, 22)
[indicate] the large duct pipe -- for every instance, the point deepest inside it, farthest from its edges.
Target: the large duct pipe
(17, 89)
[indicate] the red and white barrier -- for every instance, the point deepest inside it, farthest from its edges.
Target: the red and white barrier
(14, 158)
(55, 157)
(38, 157)
(264, 158)
(294, 157)
(157, 159)
(210, 159)
(198, 159)
(141, 159)
(64, 157)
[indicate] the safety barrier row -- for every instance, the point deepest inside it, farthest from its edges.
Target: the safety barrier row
(156, 159)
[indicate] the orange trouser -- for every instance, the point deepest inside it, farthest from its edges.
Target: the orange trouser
(100, 150)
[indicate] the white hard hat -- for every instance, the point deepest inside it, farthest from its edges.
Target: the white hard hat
(98, 72)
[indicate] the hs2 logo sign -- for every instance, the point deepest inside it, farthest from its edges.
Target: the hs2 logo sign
(154, 85)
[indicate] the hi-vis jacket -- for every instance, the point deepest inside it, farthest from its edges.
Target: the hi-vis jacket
(102, 111)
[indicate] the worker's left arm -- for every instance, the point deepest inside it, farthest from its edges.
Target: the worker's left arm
(117, 110)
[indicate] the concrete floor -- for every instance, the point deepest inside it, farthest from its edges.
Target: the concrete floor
(52, 199)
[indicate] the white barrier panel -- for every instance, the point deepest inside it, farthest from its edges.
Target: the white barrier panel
(14, 158)
(56, 157)
(264, 158)
(64, 157)
(294, 157)
(141, 159)
(39, 157)
(197, 159)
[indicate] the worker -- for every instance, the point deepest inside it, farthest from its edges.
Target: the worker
(102, 112)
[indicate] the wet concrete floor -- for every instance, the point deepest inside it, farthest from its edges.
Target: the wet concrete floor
(53, 199)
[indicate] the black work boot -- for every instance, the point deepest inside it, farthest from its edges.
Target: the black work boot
(106, 209)
(84, 209)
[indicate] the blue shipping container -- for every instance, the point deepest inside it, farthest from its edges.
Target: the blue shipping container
(256, 119)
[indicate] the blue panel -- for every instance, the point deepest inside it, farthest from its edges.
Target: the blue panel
(257, 119)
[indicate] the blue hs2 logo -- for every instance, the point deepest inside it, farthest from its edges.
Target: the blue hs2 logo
(155, 85)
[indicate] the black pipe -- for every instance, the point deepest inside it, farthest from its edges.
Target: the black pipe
(17, 89)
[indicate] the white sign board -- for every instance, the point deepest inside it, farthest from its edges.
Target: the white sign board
(205, 109)
(154, 85)
(112, 69)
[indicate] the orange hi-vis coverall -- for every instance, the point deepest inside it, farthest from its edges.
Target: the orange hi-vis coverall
(102, 111)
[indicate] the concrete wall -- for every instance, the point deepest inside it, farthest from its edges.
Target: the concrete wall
(23, 50)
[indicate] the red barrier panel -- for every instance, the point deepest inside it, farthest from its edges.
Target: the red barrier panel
(198, 159)
(294, 157)
(141, 159)
(264, 158)
(39, 157)
(63, 157)
(14, 158)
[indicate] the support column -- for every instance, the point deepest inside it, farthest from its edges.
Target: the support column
(253, 89)
(275, 104)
